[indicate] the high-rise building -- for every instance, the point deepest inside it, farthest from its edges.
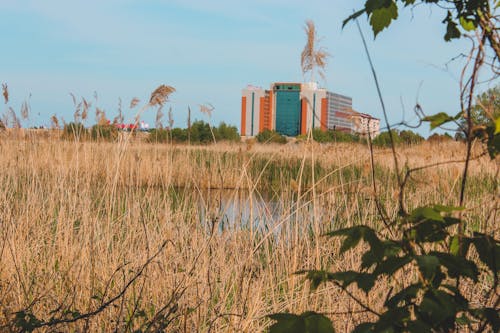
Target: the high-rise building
(294, 108)
(251, 110)
(339, 112)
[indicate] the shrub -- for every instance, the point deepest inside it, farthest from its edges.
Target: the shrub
(268, 136)
(158, 135)
(339, 136)
(439, 137)
(227, 132)
(74, 131)
(200, 133)
(106, 132)
(410, 137)
(322, 136)
(179, 135)
(331, 136)
(384, 139)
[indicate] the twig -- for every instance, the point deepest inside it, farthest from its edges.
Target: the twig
(103, 306)
(393, 146)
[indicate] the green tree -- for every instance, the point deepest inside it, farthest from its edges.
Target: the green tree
(487, 107)
(485, 119)
(384, 138)
(439, 137)
(158, 135)
(201, 133)
(179, 134)
(410, 138)
(227, 132)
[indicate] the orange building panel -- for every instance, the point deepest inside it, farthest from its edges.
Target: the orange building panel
(262, 112)
(268, 120)
(243, 115)
(324, 114)
(271, 108)
(303, 117)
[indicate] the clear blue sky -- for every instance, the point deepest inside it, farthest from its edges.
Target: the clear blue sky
(210, 50)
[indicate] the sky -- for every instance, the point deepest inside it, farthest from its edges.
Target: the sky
(210, 50)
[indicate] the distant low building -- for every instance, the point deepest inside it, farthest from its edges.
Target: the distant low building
(365, 125)
(294, 108)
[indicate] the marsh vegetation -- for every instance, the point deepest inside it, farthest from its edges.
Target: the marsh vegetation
(97, 236)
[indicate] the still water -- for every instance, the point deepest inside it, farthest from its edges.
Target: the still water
(244, 209)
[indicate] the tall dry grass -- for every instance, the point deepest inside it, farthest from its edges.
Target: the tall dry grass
(79, 220)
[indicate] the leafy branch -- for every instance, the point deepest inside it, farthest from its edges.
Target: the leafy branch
(430, 239)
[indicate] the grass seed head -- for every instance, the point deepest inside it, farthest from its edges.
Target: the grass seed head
(54, 122)
(86, 106)
(207, 109)
(160, 95)
(134, 102)
(5, 92)
(25, 110)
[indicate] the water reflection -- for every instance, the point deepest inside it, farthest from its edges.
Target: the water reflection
(244, 209)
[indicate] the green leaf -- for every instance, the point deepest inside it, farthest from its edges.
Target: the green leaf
(406, 295)
(489, 251)
(463, 320)
(392, 320)
(493, 141)
(457, 266)
(490, 315)
(26, 321)
(455, 245)
(408, 2)
(381, 18)
(286, 323)
(316, 277)
(372, 5)
(391, 265)
(497, 126)
(417, 326)
(353, 17)
(429, 231)
(307, 322)
(421, 214)
(438, 119)
(317, 323)
(451, 28)
(365, 281)
(429, 225)
(468, 25)
(447, 209)
(364, 328)
(355, 234)
(428, 265)
(438, 309)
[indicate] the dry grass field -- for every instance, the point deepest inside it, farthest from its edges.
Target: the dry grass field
(132, 236)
